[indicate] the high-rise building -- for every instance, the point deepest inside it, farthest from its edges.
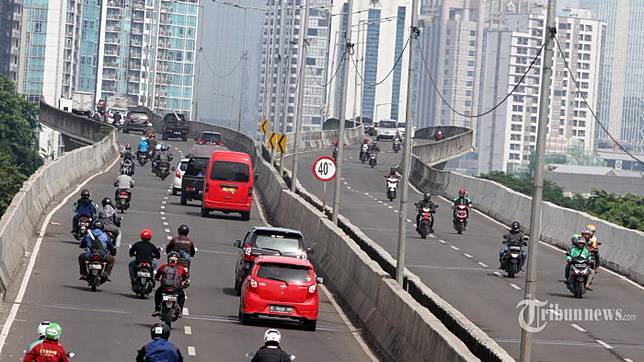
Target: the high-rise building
(10, 25)
(508, 134)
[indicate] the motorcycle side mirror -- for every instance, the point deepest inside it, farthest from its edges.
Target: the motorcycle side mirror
(525, 237)
(309, 250)
(237, 244)
(319, 280)
(71, 354)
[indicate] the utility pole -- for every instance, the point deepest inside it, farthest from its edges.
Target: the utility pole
(280, 58)
(537, 195)
(268, 69)
(195, 114)
(404, 192)
(287, 79)
(243, 77)
(300, 93)
(348, 50)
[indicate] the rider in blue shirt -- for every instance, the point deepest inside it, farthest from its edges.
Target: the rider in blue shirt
(159, 349)
(96, 242)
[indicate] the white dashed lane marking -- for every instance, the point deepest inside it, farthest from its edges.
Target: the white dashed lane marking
(165, 223)
(498, 274)
(168, 230)
(453, 247)
(515, 286)
(162, 213)
(169, 237)
(606, 345)
(192, 351)
(575, 326)
(482, 264)
(185, 310)
(162, 206)
(467, 255)
(187, 330)
(442, 241)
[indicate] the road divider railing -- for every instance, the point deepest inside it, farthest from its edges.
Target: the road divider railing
(457, 142)
(20, 223)
(622, 249)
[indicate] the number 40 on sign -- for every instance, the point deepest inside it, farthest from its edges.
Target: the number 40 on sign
(324, 168)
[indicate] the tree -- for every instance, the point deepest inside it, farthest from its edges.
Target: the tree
(10, 182)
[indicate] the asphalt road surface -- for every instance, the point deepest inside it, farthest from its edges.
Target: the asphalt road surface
(112, 324)
(463, 270)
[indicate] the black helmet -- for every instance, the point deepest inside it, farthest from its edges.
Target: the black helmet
(98, 224)
(85, 194)
(427, 196)
(183, 230)
(106, 201)
(160, 330)
(515, 226)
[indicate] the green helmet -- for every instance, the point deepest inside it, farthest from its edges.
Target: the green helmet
(53, 331)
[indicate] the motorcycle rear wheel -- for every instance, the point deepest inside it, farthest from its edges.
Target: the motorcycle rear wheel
(579, 288)
(166, 317)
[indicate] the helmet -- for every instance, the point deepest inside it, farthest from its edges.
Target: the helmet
(173, 258)
(427, 196)
(53, 331)
(462, 191)
(160, 330)
(106, 201)
(580, 242)
(128, 147)
(85, 194)
(146, 234)
(183, 230)
(515, 226)
(42, 327)
(98, 224)
(586, 233)
(592, 228)
(165, 147)
(157, 147)
(272, 336)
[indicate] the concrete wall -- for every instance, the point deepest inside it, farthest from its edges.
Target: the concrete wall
(622, 249)
(81, 129)
(457, 142)
(585, 183)
(20, 224)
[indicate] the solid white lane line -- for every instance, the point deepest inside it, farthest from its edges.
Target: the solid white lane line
(442, 241)
(575, 326)
(185, 310)
(168, 230)
(187, 330)
(453, 247)
(34, 254)
(192, 351)
(482, 264)
(515, 286)
(467, 255)
(606, 345)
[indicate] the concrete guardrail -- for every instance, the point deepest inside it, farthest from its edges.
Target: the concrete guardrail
(82, 130)
(457, 142)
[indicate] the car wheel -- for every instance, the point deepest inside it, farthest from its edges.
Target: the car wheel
(174, 192)
(184, 139)
(245, 215)
(204, 212)
(164, 137)
(237, 287)
(184, 200)
(310, 325)
(244, 318)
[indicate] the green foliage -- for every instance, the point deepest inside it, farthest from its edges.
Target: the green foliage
(626, 210)
(18, 159)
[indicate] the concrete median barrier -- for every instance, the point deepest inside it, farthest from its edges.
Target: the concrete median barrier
(21, 222)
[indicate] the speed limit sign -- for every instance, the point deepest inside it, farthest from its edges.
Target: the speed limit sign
(324, 168)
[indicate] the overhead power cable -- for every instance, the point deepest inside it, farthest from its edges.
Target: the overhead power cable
(364, 81)
(226, 75)
(335, 73)
(563, 56)
(440, 94)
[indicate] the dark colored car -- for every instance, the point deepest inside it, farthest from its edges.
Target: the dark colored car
(192, 182)
(136, 121)
(210, 138)
(265, 240)
(175, 126)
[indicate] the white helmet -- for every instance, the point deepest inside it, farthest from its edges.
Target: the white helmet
(272, 335)
(157, 147)
(42, 328)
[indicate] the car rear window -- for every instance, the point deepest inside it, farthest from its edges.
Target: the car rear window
(283, 243)
(139, 116)
(211, 137)
(401, 124)
(229, 171)
(183, 165)
(387, 124)
(284, 272)
(195, 165)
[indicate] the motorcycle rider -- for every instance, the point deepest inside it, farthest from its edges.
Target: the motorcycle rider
(397, 141)
(163, 157)
(426, 202)
(143, 251)
(117, 118)
(42, 327)
(439, 135)
(514, 237)
(182, 244)
(374, 147)
(111, 221)
(144, 146)
(159, 348)
(83, 207)
(124, 182)
(173, 275)
(155, 157)
(364, 148)
(271, 350)
(591, 241)
(98, 242)
(578, 248)
(128, 160)
(462, 199)
(152, 144)
(126, 154)
(49, 350)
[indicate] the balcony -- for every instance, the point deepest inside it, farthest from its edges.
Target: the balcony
(113, 41)
(110, 76)
(110, 65)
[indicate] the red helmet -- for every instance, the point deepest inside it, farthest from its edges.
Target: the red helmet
(462, 191)
(146, 234)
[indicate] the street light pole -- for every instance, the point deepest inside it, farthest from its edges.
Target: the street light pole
(348, 49)
(243, 78)
(402, 225)
(537, 195)
(300, 94)
(287, 80)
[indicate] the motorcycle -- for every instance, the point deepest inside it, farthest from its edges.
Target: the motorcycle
(95, 271)
(335, 152)
(364, 153)
(396, 145)
(82, 226)
(424, 226)
(594, 253)
(373, 159)
(121, 201)
(186, 264)
(142, 157)
(170, 309)
(126, 168)
(460, 219)
(580, 276)
(114, 240)
(392, 188)
(162, 170)
(144, 280)
(511, 260)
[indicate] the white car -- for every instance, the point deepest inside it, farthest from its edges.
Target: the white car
(178, 175)
(386, 129)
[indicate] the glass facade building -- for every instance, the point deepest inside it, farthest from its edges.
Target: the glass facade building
(371, 63)
(400, 43)
(34, 27)
(89, 42)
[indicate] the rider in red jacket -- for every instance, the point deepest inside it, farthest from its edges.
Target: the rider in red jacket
(49, 350)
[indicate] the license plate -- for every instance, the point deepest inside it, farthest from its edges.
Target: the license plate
(176, 132)
(96, 266)
(123, 196)
(281, 309)
(232, 190)
(169, 298)
(143, 274)
(581, 266)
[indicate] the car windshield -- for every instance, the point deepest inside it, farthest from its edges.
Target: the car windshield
(387, 124)
(211, 137)
(196, 165)
(288, 243)
(229, 171)
(401, 124)
(139, 116)
(284, 272)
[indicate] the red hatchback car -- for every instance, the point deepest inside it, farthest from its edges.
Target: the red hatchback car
(281, 287)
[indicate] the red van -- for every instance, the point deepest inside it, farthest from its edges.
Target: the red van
(228, 185)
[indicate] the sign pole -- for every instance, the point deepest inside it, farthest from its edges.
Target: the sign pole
(324, 198)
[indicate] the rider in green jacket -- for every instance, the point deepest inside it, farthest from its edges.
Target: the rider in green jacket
(578, 248)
